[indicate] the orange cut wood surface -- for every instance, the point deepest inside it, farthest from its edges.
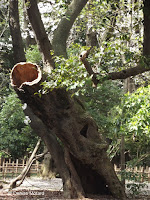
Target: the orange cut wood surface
(24, 72)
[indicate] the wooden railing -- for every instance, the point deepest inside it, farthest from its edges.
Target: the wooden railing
(142, 172)
(11, 169)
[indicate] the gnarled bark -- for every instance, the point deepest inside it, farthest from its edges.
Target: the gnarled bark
(55, 148)
(65, 117)
(48, 169)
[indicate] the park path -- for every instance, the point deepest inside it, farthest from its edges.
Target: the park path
(47, 189)
(54, 184)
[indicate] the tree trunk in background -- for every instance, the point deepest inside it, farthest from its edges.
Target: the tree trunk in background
(14, 25)
(146, 46)
(48, 169)
(122, 159)
(129, 86)
(27, 28)
(61, 34)
(41, 36)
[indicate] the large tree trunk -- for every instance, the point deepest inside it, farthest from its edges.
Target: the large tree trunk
(81, 154)
(50, 140)
(65, 116)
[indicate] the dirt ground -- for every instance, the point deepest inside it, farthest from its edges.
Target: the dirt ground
(42, 189)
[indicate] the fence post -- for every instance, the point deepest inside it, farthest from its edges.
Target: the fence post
(16, 166)
(37, 166)
(3, 169)
(23, 163)
(6, 166)
(13, 166)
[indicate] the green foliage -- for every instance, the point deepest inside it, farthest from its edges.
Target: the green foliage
(136, 111)
(52, 14)
(136, 188)
(134, 185)
(132, 176)
(132, 120)
(133, 182)
(69, 73)
(100, 101)
(33, 55)
(16, 135)
(4, 85)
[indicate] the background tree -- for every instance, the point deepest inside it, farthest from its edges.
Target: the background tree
(14, 25)
(133, 120)
(17, 139)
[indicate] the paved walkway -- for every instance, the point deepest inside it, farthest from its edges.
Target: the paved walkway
(54, 184)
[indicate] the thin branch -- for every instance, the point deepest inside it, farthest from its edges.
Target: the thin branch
(6, 24)
(40, 155)
(5, 152)
(88, 67)
(24, 172)
(123, 74)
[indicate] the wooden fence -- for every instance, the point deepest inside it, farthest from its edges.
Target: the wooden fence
(11, 169)
(142, 173)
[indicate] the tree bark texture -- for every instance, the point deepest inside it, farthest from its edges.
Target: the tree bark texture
(54, 147)
(14, 25)
(123, 74)
(48, 169)
(62, 32)
(29, 40)
(146, 49)
(85, 150)
(40, 34)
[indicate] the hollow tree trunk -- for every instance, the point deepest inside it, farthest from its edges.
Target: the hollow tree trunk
(65, 116)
